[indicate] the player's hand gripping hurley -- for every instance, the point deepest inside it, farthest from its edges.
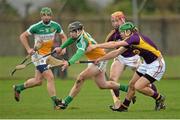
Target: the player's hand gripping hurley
(22, 62)
(22, 65)
(54, 62)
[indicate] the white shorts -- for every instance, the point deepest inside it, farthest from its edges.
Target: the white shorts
(132, 62)
(101, 66)
(155, 69)
(41, 61)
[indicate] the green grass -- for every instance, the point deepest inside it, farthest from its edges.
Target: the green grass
(8, 63)
(90, 103)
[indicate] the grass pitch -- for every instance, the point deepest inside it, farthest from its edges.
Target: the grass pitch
(90, 103)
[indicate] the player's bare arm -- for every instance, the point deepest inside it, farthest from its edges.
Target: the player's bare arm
(24, 41)
(112, 54)
(108, 45)
(65, 65)
(63, 37)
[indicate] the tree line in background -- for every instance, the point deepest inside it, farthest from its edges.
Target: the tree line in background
(151, 6)
(71, 8)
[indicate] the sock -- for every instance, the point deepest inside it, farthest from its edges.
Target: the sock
(20, 87)
(123, 88)
(126, 103)
(156, 96)
(153, 87)
(68, 99)
(53, 98)
(116, 92)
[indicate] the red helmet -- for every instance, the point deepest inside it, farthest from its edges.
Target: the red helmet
(118, 14)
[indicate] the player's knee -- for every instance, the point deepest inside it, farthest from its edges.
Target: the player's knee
(132, 85)
(50, 78)
(39, 82)
(102, 86)
(80, 77)
(138, 87)
(112, 79)
(79, 80)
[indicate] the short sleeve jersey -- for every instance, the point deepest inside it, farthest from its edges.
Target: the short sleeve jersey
(143, 46)
(114, 35)
(46, 34)
(82, 43)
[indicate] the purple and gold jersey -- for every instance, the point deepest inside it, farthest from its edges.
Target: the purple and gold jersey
(114, 35)
(143, 46)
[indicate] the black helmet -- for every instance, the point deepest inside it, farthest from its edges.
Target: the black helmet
(75, 26)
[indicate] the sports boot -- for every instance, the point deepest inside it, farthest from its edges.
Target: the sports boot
(16, 93)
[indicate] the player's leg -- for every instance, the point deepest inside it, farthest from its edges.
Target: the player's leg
(118, 68)
(48, 75)
(130, 94)
(155, 71)
(32, 82)
(36, 81)
(87, 73)
(142, 87)
(116, 71)
(103, 84)
(146, 71)
(100, 78)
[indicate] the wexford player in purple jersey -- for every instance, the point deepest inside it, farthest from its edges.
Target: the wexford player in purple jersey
(126, 59)
(151, 70)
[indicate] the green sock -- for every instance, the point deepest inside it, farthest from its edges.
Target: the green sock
(53, 98)
(68, 99)
(20, 87)
(123, 88)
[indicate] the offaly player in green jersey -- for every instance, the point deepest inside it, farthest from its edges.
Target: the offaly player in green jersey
(44, 32)
(82, 39)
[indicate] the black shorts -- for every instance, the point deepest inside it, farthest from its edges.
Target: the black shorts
(151, 79)
(42, 68)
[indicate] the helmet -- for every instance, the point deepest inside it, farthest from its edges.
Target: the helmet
(75, 26)
(126, 26)
(46, 11)
(118, 14)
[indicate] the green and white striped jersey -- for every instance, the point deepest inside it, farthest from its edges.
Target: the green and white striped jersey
(45, 34)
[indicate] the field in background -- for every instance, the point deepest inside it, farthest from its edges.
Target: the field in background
(8, 63)
(90, 103)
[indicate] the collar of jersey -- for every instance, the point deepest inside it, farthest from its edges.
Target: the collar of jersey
(45, 24)
(80, 36)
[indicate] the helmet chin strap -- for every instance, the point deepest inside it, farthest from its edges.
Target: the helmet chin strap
(126, 34)
(79, 32)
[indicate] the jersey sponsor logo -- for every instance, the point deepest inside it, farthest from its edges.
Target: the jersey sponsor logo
(52, 29)
(47, 30)
(41, 30)
(45, 37)
(136, 51)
